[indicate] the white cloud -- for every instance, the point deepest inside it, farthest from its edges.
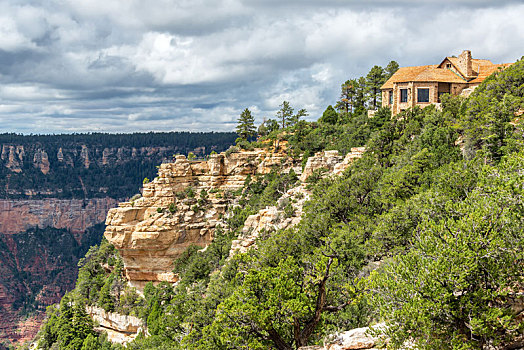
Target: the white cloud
(130, 65)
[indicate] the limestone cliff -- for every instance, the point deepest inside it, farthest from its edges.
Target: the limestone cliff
(40, 244)
(188, 199)
(55, 192)
(289, 208)
(182, 206)
(120, 329)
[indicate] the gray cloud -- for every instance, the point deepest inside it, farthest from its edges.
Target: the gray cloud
(128, 65)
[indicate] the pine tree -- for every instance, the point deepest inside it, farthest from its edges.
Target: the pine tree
(390, 69)
(347, 96)
(285, 113)
(374, 81)
(329, 116)
(296, 117)
(286, 117)
(246, 125)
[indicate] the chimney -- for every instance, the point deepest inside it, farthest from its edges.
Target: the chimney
(465, 64)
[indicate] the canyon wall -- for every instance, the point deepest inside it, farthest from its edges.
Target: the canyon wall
(75, 215)
(182, 206)
(154, 230)
(55, 191)
(40, 244)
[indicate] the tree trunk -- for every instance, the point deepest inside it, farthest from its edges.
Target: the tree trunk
(277, 340)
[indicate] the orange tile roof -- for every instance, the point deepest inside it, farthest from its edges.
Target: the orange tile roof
(485, 68)
(422, 73)
(431, 73)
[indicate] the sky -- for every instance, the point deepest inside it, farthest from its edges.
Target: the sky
(193, 65)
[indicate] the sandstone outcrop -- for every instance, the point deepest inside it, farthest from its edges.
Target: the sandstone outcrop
(189, 199)
(120, 329)
(289, 209)
(182, 206)
(287, 213)
(331, 162)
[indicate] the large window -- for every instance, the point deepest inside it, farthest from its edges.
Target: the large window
(422, 95)
(403, 95)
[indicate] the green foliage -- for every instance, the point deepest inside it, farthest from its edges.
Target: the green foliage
(191, 156)
(189, 192)
(330, 116)
(138, 155)
(68, 326)
(232, 149)
(286, 117)
(375, 79)
(246, 125)
(390, 69)
(145, 181)
(490, 109)
(455, 285)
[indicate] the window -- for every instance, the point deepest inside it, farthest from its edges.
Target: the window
(422, 95)
(391, 97)
(403, 95)
(448, 65)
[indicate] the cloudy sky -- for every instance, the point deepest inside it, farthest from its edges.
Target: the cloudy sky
(136, 65)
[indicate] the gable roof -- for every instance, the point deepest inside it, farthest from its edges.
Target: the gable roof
(429, 73)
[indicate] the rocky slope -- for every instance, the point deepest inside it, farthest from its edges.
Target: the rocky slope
(189, 199)
(289, 208)
(41, 242)
(182, 206)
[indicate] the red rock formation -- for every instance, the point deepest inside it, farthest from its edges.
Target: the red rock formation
(73, 214)
(28, 269)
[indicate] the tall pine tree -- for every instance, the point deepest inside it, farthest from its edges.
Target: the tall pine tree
(374, 81)
(246, 125)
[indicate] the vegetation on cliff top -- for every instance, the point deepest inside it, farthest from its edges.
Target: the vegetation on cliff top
(119, 177)
(435, 202)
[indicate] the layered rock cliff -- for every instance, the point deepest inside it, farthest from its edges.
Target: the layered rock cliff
(75, 215)
(96, 165)
(182, 206)
(289, 209)
(189, 199)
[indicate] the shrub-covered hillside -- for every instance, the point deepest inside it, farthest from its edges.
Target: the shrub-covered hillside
(424, 232)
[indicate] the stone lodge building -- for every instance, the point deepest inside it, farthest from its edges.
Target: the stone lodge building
(423, 85)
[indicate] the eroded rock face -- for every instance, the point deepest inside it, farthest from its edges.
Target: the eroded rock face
(355, 339)
(286, 213)
(289, 209)
(74, 214)
(120, 329)
(41, 161)
(182, 206)
(331, 161)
